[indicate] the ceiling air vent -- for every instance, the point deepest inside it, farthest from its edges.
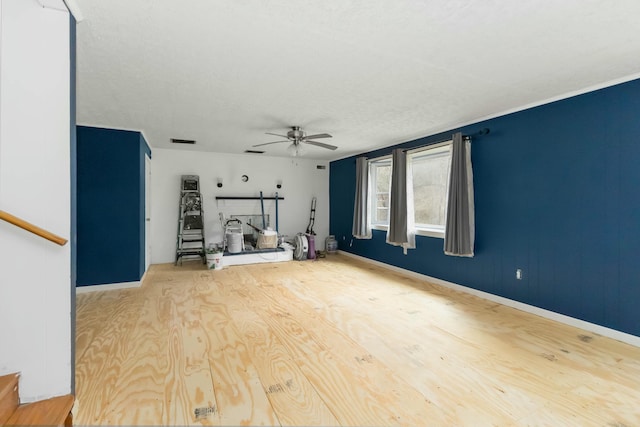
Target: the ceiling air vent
(182, 141)
(254, 152)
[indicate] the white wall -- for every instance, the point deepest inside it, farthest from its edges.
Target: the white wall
(300, 178)
(35, 320)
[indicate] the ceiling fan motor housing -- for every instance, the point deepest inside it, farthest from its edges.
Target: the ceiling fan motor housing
(295, 133)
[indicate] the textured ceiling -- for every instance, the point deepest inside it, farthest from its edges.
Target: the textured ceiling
(370, 72)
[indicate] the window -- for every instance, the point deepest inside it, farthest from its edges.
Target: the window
(380, 179)
(430, 166)
(430, 186)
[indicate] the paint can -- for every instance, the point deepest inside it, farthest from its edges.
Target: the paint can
(234, 242)
(331, 244)
(214, 261)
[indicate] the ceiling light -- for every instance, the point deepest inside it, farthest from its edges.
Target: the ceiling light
(296, 150)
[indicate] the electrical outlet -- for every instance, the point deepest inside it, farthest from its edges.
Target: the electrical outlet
(519, 274)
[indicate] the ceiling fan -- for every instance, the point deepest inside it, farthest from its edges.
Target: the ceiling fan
(297, 136)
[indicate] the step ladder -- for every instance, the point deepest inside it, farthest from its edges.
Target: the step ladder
(190, 242)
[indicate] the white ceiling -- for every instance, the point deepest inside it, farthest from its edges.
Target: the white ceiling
(372, 73)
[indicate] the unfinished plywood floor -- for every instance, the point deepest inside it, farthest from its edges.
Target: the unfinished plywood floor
(336, 342)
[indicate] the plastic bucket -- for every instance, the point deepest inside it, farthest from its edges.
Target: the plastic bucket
(234, 242)
(331, 244)
(268, 239)
(214, 261)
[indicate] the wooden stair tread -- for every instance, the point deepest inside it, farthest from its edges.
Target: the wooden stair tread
(8, 396)
(7, 384)
(49, 412)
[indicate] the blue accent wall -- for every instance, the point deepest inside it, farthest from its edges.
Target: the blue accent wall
(557, 194)
(110, 206)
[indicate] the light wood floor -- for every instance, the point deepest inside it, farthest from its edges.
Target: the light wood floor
(336, 342)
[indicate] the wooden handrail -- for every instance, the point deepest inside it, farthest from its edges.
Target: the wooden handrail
(32, 228)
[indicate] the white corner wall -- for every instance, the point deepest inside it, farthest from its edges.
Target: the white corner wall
(35, 299)
(301, 180)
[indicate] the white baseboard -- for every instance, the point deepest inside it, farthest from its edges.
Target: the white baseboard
(108, 286)
(571, 321)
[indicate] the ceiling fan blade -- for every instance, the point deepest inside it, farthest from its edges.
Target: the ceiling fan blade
(320, 144)
(276, 134)
(320, 135)
(267, 143)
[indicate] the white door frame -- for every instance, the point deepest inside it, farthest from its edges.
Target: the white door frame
(147, 212)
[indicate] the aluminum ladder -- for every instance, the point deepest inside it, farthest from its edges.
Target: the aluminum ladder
(190, 241)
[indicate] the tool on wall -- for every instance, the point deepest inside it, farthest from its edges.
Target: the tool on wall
(305, 242)
(190, 239)
(312, 218)
(276, 212)
(264, 225)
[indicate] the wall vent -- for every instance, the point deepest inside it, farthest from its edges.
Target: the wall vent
(182, 141)
(254, 152)
(321, 166)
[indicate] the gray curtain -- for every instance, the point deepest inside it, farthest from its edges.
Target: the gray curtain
(401, 217)
(361, 216)
(459, 234)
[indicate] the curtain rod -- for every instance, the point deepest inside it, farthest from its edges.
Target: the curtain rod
(483, 131)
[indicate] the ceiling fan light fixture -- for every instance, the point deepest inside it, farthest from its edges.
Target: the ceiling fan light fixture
(295, 150)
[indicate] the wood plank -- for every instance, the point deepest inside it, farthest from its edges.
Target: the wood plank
(291, 394)
(240, 397)
(140, 397)
(189, 386)
(49, 412)
(9, 399)
(99, 367)
(91, 318)
(239, 392)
